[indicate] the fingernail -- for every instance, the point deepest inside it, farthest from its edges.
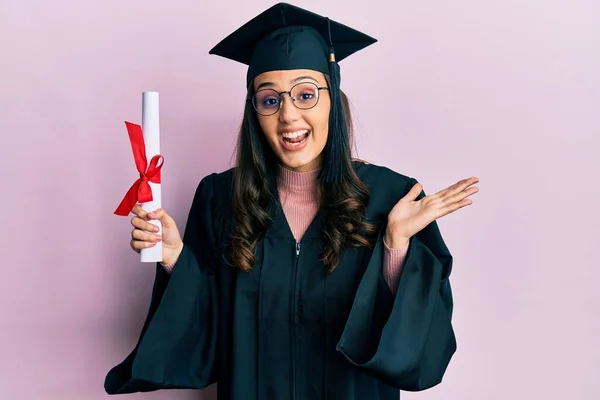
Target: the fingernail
(155, 229)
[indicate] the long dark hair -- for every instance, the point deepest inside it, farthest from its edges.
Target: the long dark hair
(344, 204)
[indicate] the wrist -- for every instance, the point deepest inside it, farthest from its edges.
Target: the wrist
(394, 240)
(170, 260)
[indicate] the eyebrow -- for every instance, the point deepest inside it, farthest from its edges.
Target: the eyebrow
(295, 80)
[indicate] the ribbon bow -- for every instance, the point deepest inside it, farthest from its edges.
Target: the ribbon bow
(140, 191)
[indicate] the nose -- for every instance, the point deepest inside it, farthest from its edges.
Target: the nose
(288, 112)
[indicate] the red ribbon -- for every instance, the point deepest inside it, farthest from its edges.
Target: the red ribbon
(140, 191)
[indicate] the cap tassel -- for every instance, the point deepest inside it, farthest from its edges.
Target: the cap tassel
(335, 150)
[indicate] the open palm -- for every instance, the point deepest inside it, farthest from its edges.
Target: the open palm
(409, 215)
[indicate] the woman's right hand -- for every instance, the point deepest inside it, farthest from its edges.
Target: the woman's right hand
(145, 233)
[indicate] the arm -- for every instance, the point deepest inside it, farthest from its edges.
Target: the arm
(408, 345)
(177, 345)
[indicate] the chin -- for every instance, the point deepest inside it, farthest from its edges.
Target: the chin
(300, 163)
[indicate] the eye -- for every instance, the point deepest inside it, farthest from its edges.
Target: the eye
(305, 93)
(267, 99)
(306, 96)
(270, 101)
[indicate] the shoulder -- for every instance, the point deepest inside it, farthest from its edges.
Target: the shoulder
(215, 189)
(222, 182)
(212, 196)
(385, 186)
(212, 202)
(383, 180)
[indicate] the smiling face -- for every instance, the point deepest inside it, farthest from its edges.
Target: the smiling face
(296, 136)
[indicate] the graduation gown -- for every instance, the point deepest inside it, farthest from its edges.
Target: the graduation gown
(288, 330)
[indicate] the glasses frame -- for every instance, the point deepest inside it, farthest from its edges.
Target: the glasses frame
(289, 93)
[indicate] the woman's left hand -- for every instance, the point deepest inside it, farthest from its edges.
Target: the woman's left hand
(409, 215)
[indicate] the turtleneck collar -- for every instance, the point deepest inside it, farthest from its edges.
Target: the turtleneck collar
(297, 181)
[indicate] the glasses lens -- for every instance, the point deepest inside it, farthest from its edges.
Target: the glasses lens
(266, 101)
(306, 95)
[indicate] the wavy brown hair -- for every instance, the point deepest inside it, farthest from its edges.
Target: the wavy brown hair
(344, 203)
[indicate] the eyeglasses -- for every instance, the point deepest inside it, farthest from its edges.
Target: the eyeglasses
(304, 96)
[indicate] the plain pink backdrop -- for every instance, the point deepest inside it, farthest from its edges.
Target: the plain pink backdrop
(505, 90)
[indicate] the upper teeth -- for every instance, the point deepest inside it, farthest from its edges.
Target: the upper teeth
(294, 134)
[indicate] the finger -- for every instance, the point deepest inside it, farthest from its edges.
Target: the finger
(458, 187)
(137, 245)
(461, 195)
(144, 225)
(132, 247)
(413, 193)
(455, 206)
(164, 218)
(137, 234)
(139, 211)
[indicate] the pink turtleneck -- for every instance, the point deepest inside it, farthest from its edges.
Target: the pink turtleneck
(298, 194)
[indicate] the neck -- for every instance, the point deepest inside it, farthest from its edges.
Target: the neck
(298, 193)
(297, 181)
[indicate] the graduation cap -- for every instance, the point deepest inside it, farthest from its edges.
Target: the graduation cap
(287, 37)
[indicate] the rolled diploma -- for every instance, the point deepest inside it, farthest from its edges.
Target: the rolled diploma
(151, 129)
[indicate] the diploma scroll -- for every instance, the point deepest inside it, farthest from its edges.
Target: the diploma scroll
(146, 190)
(151, 129)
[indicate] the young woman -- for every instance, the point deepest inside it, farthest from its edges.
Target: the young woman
(302, 273)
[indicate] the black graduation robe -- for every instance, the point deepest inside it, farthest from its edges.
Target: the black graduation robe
(287, 330)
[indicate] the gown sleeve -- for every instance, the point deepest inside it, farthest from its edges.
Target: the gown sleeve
(178, 342)
(406, 341)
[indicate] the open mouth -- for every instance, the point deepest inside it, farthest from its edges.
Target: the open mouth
(295, 138)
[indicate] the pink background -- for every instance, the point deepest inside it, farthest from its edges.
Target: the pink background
(505, 90)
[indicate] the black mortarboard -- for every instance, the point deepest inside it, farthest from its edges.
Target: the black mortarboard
(288, 37)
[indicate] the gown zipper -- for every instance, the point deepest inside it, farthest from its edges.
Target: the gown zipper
(295, 319)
